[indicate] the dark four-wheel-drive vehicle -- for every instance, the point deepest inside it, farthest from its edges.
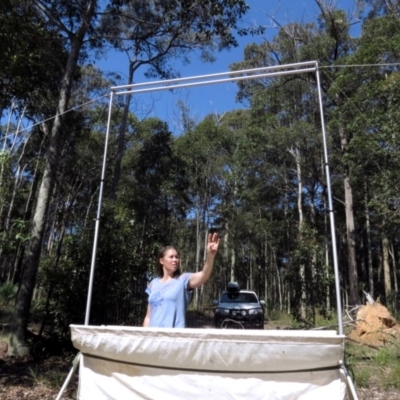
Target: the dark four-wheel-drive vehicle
(240, 309)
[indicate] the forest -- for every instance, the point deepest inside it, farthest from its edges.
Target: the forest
(255, 174)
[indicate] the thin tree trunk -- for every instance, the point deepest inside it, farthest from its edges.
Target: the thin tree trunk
(52, 284)
(386, 268)
(19, 325)
(201, 289)
(121, 136)
(303, 297)
(266, 286)
(232, 263)
(17, 181)
(369, 247)
(251, 286)
(392, 255)
(265, 270)
(226, 247)
(354, 297)
(379, 271)
(17, 264)
(278, 284)
(88, 208)
(198, 250)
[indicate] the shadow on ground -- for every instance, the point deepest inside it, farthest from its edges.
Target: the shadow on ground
(196, 319)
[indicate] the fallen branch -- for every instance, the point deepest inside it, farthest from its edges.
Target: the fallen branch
(307, 322)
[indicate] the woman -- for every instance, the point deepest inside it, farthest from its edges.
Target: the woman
(170, 294)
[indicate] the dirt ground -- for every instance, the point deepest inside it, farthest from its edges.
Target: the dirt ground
(34, 378)
(41, 378)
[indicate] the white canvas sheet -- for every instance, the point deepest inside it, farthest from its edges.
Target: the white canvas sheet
(161, 364)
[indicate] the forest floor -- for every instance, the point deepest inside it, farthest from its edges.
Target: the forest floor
(41, 377)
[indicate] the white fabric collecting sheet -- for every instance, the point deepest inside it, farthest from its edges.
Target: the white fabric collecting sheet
(122, 363)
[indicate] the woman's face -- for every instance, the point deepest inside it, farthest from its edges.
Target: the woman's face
(170, 261)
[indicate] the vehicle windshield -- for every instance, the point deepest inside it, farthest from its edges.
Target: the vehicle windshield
(239, 298)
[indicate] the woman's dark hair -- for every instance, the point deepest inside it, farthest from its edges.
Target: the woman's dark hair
(161, 254)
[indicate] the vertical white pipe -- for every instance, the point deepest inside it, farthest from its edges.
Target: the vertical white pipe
(96, 231)
(330, 205)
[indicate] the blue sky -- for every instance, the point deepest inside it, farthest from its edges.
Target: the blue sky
(216, 98)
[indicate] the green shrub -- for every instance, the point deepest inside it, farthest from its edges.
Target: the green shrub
(382, 356)
(7, 292)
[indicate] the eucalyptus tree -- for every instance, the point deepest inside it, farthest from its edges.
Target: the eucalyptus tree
(147, 215)
(72, 21)
(249, 196)
(77, 25)
(72, 205)
(373, 109)
(154, 34)
(328, 41)
(31, 58)
(364, 96)
(378, 8)
(155, 182)
(285, 110)
(200, 151)
(381, 17)
(30, 72)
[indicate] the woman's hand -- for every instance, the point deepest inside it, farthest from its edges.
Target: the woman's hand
(212, 244)
(199, 278)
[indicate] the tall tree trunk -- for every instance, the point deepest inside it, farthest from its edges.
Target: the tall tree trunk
(386, 268)
(303, 297)
(201, 288)
(17, 265)
(251, 286)
(278, 283)
(19, 325)
(354, 297)
(232, 264)
(392, 254)
(267, 294)
(226, 247)
(369, 247)
(198, 251)
(121, 136)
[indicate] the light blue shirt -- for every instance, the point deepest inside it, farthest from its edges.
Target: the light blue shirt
(169, 301)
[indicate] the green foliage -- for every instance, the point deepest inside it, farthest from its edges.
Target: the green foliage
(63, 292)
(8, 290)
(30, 68)
(362, 377)
(374, 367)
(382, 357)
(393, 377)
(47, 377)
(326, 318)
(280, 318)
(161, 31)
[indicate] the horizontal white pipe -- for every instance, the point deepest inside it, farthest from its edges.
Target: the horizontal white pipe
(233, 79)
(230, 73)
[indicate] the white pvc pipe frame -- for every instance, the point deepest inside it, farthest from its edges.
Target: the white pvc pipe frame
(224, 77)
